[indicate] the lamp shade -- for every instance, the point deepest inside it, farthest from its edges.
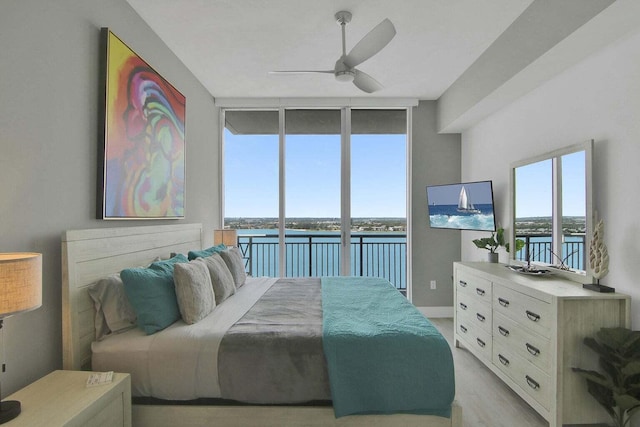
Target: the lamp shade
(227, 236)
(20, 282)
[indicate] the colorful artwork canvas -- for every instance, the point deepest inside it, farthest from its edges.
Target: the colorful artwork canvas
(143, 158)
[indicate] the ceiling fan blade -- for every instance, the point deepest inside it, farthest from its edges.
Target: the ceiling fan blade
(371, 44)
(365, 82)
(302, 72)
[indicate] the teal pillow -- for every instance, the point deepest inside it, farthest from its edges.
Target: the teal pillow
(152, 295)
(167, 264)
(206, 252)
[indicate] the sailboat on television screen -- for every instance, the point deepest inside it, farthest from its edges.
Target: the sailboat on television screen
(464, 203)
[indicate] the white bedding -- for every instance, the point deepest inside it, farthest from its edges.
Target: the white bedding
(181, 361)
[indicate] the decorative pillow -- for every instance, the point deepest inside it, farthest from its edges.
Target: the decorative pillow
(167, 264)
(193, 290)
(233, 259)
(221, 278)
(206, 252)
(114, 313)
(152, 294)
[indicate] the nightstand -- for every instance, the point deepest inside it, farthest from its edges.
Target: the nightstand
(62, 398)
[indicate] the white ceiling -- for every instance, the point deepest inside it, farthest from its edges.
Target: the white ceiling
(231, 45)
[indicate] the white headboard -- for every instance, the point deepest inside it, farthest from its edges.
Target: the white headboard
(88, 255)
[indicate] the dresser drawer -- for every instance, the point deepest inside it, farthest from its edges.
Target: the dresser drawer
(475, 338)
(474, 286)
(532, 380)
(532, 313)
(477, 312)
(534, 348)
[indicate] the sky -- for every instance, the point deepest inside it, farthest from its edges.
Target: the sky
(478, 192)
(378, 175)
(534, 189)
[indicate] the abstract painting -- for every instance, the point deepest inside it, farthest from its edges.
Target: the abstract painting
(142, 160)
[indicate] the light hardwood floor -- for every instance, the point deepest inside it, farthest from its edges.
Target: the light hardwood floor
(486, 401)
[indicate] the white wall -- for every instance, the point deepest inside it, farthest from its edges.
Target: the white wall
(598, 99)
(49, 87)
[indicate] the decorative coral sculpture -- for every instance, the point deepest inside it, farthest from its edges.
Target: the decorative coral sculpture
(598, 253)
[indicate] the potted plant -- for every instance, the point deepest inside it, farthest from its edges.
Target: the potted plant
(493, 242)
(618, 388)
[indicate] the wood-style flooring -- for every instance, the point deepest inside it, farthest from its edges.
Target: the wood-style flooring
(486, 401)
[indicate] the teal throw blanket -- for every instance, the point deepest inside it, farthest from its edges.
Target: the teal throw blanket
(383, 356)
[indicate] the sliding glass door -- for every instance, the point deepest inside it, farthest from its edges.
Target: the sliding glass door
(312, 192)
(318, 192)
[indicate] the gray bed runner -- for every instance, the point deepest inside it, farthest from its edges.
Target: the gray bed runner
(273, 354)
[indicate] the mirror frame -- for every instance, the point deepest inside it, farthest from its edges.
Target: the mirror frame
(587, 147)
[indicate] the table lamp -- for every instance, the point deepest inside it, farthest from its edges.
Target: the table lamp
(228, 237)
(20, 291)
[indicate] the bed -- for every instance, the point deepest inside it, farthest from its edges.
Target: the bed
(89, 255)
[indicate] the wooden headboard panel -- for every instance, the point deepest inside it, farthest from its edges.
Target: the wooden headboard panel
(89, 255)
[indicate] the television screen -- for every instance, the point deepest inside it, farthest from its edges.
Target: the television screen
(464, 206)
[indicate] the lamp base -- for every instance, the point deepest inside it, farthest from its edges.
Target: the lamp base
(9, 409)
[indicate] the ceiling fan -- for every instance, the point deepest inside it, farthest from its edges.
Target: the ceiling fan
(344, 70)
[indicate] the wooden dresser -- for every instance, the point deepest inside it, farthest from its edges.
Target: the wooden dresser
(529, 331)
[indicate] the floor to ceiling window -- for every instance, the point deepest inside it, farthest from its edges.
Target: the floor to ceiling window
(318, 192)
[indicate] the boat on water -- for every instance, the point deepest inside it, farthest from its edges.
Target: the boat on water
(464, 203)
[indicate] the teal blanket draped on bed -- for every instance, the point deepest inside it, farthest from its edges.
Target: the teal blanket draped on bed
(383, 356)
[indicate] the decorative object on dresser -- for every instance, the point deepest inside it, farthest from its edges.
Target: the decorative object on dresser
(598, 259)
(617, 391)
(491, 244)
(20, 291)
(226, 236)
(528, 330)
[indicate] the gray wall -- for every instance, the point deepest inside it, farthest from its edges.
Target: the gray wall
(49, 88)
(435, 160)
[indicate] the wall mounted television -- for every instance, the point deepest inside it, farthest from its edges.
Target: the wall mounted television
(462, 206)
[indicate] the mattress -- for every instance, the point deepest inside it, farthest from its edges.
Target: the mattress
(181, 361)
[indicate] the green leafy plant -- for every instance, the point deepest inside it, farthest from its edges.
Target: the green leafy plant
(618, 388)
(496, 240)
(491, 243)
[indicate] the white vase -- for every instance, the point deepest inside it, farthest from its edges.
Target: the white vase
(492, 257)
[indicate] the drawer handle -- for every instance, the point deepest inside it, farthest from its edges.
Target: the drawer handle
(533, 316)
(532, 383)
(503, 360)
(533, 350)
(480, 317)
(503, 302)
(480, 292)
(503, 331)
(480, 342)
(462, 283)
(463, 329)
(463, 306)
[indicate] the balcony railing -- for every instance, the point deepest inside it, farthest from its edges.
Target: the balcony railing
(319, 254)
(538, 247)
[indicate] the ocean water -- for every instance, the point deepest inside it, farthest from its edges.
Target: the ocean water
(318, 253)
(447, 216)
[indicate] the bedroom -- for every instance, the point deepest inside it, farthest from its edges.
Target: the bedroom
(50, 120)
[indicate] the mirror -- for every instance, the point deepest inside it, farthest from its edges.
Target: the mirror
(552, 211)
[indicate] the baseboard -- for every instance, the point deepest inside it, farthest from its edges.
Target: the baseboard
(436, 311)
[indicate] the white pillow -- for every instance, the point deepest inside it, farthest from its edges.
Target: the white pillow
(233, 258)
(194, 290)
(114, 313)
(221, 278)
